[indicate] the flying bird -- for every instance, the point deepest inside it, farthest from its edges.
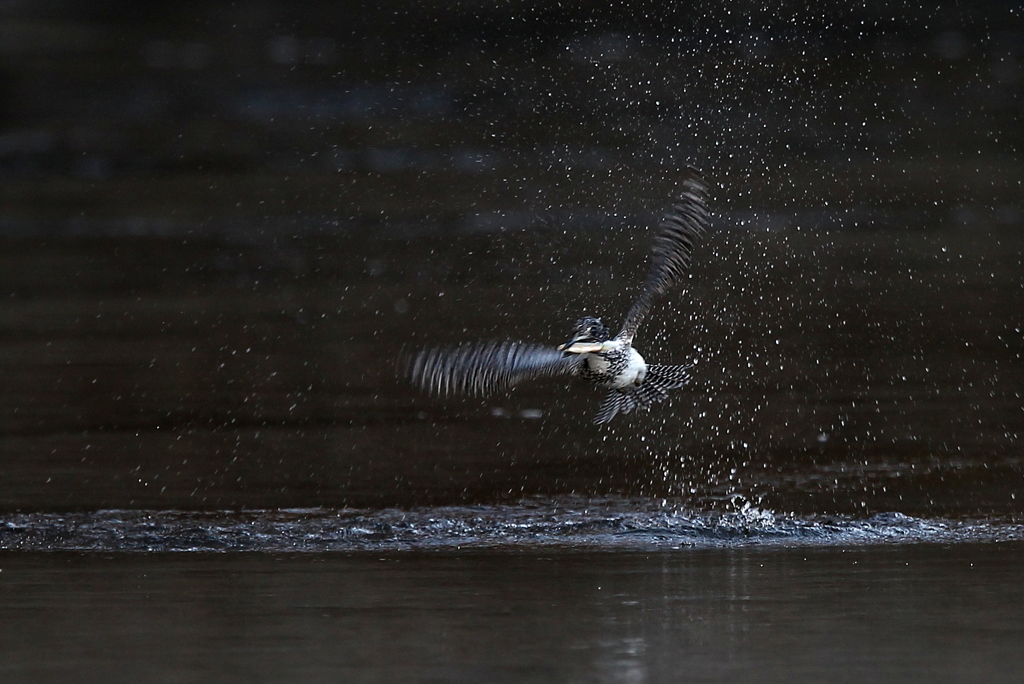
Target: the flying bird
(612, 363)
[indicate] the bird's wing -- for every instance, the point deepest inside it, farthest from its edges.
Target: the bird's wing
(673, 245)
(481, 368)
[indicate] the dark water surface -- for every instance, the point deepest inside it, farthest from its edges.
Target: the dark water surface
(222, 226)
(835, 498)
(838, 372)
(906, 613)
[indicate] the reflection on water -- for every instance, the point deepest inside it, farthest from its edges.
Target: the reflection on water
(896, 613)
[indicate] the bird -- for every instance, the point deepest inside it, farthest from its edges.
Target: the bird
(591, 352)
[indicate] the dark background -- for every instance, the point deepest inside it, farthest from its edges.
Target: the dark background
(221, 224)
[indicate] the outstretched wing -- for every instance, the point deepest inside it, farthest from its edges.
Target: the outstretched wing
(672, 248)
(481, 368)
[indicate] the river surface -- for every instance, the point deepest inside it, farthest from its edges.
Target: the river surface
(225, 226)
(901, 613)
(213, 470)
(838, 371)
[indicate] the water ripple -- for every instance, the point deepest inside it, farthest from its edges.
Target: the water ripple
(611, 524)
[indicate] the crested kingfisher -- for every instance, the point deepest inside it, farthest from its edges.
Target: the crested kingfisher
(591, 352)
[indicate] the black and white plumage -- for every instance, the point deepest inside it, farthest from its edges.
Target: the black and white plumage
(591, 352)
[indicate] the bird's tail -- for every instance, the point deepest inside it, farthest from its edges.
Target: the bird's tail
(660, 379)
(667, 377)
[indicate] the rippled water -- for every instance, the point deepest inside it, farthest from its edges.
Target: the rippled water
(608, 524)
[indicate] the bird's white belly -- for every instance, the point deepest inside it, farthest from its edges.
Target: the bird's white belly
(633, 374)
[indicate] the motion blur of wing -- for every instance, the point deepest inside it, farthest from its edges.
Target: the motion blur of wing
(482, 368)
(672, 249)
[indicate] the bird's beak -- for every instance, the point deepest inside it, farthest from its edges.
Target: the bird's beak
(565, 347)
(573, 346)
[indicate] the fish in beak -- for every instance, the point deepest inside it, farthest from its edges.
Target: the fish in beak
(573, 346)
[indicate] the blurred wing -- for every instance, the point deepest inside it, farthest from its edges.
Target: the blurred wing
(481, 368)
(672, 248)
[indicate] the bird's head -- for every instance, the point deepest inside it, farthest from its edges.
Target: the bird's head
(587, 335)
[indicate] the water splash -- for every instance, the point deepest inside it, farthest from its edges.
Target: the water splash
(569, 523)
